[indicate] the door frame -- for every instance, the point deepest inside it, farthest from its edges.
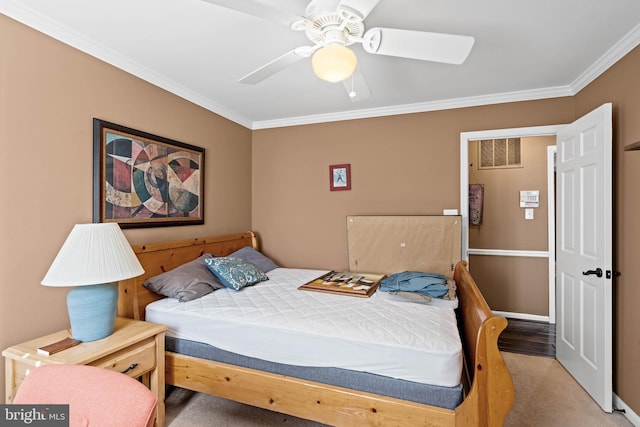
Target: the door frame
(522, 132)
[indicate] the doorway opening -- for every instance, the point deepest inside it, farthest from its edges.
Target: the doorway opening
(515, 256)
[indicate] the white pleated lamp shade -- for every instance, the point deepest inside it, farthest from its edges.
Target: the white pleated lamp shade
(93, 254)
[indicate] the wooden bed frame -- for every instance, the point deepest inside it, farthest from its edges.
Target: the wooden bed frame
(489, 391)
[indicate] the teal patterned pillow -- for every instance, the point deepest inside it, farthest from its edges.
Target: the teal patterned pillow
(235, 273)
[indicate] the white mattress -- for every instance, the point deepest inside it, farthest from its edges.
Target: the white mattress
(275, 321)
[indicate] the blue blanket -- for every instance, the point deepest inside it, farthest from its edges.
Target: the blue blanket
(431, 284)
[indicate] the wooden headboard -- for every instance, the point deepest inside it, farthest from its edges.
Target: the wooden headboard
(377, 244)
(156, 258)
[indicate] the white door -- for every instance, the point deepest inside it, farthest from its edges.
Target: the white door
(584, 253)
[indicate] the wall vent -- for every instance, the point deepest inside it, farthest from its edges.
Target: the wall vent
(500, 153)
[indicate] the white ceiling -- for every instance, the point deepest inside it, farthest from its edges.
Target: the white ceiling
(523, 50)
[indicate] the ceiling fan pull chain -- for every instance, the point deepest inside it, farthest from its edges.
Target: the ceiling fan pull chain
(352, 93)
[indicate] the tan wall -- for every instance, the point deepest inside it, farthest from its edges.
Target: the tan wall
(49, 94)
(504, 227)
(405, 164)
(513, 284)
(621, 86)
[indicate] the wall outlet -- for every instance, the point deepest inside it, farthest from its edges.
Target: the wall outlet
(528, 213)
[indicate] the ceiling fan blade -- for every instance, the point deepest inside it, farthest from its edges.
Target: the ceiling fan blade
(358, 9)
(437, 47)
(356, 86)
(278, 64)
(260, 10)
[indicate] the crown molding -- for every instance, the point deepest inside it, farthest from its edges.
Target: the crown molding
(447, 104)
(31, 18)
(15, 10)
(613, 55)
(629, 42)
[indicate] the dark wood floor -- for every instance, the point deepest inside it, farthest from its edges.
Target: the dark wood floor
(529, 337)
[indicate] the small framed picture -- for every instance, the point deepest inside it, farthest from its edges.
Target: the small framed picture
(339, 177)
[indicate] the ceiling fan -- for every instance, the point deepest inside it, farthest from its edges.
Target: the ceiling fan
(332, 25)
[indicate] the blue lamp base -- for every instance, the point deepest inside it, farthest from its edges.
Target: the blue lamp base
(92, 311)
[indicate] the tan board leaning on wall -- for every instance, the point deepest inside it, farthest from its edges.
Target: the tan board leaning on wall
(404, 243)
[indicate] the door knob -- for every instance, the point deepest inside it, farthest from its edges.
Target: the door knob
(597, 272)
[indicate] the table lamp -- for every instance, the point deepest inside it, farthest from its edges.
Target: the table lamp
(92, 260)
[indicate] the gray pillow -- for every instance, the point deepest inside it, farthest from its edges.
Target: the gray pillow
(256, 258)
(186, 282)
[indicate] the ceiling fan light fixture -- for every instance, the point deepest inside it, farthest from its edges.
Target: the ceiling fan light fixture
(334, 63)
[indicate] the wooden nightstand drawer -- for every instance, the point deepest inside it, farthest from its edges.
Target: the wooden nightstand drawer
(134, 361)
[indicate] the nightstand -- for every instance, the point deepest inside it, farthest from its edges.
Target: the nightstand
(135, 348)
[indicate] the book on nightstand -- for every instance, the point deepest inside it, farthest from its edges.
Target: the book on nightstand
(63, 344)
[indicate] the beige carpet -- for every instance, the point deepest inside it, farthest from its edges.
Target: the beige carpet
(546, 395)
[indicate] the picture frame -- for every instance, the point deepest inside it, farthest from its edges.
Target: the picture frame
(340, 177)
(345, 283)
(145, 180)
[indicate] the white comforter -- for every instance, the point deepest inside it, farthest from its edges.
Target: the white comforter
(275, 321)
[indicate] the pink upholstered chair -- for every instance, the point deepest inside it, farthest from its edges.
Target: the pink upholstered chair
(97, 397)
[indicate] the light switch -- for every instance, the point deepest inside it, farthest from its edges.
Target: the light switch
(528, 213)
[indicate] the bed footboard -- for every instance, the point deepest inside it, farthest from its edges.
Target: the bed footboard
(301, 398)
(487, 402)
(492, 394)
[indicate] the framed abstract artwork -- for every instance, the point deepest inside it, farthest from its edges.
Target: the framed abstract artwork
(145, 180)
(340, 177)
